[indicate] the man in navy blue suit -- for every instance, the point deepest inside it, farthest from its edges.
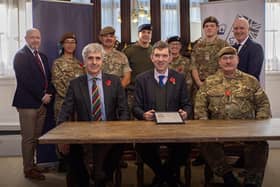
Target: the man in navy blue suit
(162, 90)
(33, 92)
(251, 55)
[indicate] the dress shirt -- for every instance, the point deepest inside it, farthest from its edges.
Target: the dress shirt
(157, 74)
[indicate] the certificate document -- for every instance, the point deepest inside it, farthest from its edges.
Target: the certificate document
(168, 117)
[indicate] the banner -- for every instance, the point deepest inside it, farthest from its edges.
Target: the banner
(227, 11)
(53, 19)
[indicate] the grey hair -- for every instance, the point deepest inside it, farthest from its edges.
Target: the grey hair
(92, 48)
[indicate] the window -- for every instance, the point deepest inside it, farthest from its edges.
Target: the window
(170, 18)
(195, 22)
(16, 16)
(110, 14)
(272, 35)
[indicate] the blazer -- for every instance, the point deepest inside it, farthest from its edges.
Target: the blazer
(77, 100)
(30, 80)
(177, 96)
(251, 57)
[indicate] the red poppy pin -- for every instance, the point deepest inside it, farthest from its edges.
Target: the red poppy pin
(108, 82)
(227, 93)
(172, 80)
(81, 65)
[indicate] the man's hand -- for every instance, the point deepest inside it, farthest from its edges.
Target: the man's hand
(63, 148)
(183, 114)
(149, 115)
(47, 98)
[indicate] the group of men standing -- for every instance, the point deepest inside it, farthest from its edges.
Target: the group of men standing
(145, 79)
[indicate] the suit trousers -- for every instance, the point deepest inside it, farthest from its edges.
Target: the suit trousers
(31, 124)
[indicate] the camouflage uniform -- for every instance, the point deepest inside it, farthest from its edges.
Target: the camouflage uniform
(204, 57)
(182, 64)
(116, 63)
(64, 70)
(237, 98)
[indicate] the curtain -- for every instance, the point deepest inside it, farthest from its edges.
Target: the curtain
(110, 15)
(15, 18)
(170, 18)
(272, 35)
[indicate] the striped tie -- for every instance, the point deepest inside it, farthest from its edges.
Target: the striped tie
(96, 103)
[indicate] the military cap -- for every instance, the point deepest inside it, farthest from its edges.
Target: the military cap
(210, 19)
(66, 36)
(227, 51)
(144, 27)
(173, 39)
(107, 30)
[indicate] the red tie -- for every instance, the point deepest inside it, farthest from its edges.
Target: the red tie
(96, 103)
(40, 64)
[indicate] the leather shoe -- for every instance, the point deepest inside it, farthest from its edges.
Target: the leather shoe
(41, 169)
(33, 174)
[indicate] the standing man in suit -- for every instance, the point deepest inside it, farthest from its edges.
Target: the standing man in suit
(161, 90)
(95, 96)
(251, 55)
(33, 92)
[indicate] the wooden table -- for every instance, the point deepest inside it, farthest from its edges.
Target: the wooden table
(146, 132)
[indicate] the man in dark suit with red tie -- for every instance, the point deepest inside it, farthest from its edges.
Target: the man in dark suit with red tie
(93, 97)
(162, 90)
(251, 55)
(33, 92)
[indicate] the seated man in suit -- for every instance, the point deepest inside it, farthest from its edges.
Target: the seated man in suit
(232, 94)
(95, 96)
(251, 55)
(157, 90)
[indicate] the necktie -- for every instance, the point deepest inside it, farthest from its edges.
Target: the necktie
(161, 77)
(236, 46)
(96, 103)
(40, 64)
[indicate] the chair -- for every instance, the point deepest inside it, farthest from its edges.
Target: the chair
(131, 155)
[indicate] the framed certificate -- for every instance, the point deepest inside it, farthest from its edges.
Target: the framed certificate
(168, 118)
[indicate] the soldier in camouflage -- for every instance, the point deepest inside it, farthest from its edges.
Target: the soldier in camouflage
(232, 94)
(204, 59)
(114, 62)
(64, 69)
(180, 63)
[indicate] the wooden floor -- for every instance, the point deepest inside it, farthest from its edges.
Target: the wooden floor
(11, 174)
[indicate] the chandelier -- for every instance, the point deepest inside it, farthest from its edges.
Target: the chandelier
(139, 12)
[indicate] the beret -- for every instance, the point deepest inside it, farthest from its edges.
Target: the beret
(227, 51)
(144, 27)
(66, 36)
(173, 39)
(107, 30)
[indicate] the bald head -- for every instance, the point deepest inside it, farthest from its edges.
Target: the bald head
(33, 38)
(241, 29)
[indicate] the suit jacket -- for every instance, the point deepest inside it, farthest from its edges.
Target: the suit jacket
(251, 57)
(77, 100)
(30, 80)
(144, 98)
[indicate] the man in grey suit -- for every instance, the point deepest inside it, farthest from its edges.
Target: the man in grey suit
(162, 90)
(250, 53)
(109, 104)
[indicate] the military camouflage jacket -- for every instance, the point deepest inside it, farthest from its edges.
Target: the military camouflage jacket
(236, 98)
(116, 63)
(204, 57)
(64, 70)
(182, 64)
